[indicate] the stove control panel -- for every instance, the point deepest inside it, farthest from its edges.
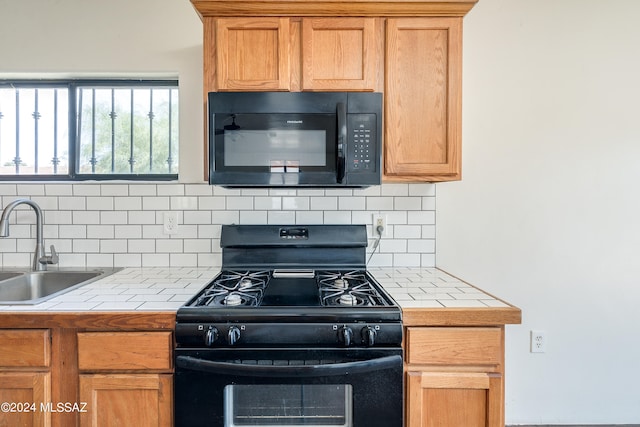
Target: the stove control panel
(198, 335)
(297, 233)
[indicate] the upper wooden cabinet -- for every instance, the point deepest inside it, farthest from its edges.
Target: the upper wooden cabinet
(423, 99)
(283, 54)
(252, 54)
(409, 50)
(339, 54)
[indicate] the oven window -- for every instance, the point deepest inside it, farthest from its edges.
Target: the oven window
(319, 405)
(269, 147)
(274, 143)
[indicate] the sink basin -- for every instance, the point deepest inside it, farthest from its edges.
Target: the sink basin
(33, 287)
(8, 274)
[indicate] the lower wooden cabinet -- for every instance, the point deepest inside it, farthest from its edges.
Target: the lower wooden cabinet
(88, 369)
(23, 395)
(453, 399)
(125, 378)
(25, 380)
(141, 400)
(454, 376)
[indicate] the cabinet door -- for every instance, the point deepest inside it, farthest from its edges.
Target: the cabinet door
(252, 54)
(25, 348)
(113, 351)
(339, 54)
(25, 392)
(143, 400)
(439, 399)
(423, 99)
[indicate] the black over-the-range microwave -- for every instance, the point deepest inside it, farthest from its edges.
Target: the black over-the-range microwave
(295, 139)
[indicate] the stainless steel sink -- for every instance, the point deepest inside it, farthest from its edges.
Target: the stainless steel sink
(8, 274)
(33, 287)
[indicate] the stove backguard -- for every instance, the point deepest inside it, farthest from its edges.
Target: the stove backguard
(293, 247)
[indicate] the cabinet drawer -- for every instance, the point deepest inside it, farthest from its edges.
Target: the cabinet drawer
(24, 348)
(454, 346)
(111, 351)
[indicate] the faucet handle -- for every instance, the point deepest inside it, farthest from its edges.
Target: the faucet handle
(50, 259)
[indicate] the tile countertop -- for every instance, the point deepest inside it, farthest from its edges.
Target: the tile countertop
(166, 289)
(131, 289)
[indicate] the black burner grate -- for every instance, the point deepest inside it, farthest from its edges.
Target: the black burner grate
(233, 288)
(348, 289)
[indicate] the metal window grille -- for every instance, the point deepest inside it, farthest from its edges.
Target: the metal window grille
(89, 130)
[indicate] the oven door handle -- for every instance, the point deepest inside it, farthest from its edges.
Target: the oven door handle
(307, 371)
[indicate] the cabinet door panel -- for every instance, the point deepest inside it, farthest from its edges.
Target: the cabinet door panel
(454, 399)
(253, 53)
(143, 400)
(24, 347)
(422, 92)
(455, 346)
(124, 350)
(25, 388)
(339, 54)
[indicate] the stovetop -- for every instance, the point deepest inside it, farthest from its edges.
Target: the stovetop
(291, 295)
(287, 288)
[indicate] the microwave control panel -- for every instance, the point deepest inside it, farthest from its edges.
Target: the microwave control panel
(361, 142)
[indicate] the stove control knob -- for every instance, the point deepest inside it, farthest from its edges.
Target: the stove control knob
(210, 336)
(233, 335)
(369, 336)
(345, 336)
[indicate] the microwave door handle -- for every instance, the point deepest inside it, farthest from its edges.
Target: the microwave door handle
(288, 371)
(341, 112)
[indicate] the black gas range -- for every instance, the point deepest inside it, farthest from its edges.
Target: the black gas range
(293, 331)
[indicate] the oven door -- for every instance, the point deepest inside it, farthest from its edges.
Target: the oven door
(284, 387)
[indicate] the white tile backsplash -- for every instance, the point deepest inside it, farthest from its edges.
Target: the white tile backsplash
(120, 224)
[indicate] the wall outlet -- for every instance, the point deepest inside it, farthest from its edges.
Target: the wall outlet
(379, 220)
(170, 224)
(538, 341)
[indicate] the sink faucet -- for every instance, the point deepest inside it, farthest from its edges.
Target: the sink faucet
(40, 259)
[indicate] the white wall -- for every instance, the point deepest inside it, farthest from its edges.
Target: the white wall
(548, 213)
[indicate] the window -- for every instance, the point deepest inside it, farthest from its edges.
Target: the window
(80, 129)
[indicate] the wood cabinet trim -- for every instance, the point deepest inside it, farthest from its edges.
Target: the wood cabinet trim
(116, 320)
(461, 316)
(477, 380)
(206, 8)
